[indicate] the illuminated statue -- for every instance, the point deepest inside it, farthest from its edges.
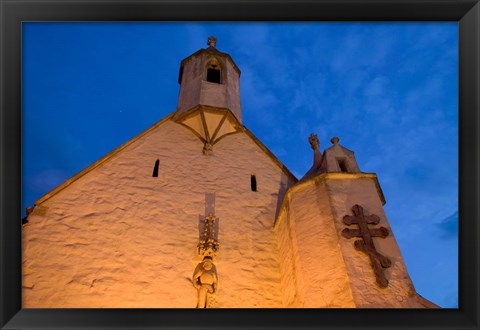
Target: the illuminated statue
(205, 281)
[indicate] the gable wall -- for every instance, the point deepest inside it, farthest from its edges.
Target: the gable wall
(117, 237)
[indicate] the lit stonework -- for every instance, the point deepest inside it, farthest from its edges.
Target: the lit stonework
(221, 223)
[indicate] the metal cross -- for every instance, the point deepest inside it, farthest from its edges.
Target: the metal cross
(366, 245)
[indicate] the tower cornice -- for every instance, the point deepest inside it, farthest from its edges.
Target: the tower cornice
(324, 177)
(214, 52)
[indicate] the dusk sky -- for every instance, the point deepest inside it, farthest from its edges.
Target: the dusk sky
(388, 90)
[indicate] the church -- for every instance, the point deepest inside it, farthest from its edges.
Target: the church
(197, 212)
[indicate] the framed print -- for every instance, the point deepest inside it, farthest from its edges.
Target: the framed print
(143, 227)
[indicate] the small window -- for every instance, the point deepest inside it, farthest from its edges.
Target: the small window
(180, 75)
(213, 75)
(155, 168)
(253, 182)
(342, 165)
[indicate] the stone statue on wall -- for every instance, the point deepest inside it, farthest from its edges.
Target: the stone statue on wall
(205, 281)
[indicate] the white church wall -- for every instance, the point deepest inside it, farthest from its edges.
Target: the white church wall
(118, 237)
(323, 273)
(291, 271)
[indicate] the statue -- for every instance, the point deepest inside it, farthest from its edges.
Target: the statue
(205, 281)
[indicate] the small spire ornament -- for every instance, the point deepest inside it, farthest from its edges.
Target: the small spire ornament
(212, 41)
(314, 142)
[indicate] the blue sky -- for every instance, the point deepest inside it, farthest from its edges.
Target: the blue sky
(388, 90)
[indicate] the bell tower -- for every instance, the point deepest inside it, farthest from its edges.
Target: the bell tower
(209, 97)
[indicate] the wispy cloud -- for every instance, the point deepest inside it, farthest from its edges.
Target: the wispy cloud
(449, 226)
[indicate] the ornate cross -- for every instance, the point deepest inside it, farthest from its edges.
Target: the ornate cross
(366, 243)
(208, 245)
(208, 226)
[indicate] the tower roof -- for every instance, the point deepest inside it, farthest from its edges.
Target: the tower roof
(211, 49)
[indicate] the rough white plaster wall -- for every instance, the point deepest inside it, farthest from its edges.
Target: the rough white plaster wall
(344, 193)
(324, 276)
(189, 94)
(213, 94)
(291, 270)
(233, 90)
(117, 237)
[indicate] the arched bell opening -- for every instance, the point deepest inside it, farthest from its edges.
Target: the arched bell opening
(214, 72)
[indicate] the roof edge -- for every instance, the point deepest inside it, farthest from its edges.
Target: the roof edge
(115, 151)
(99, 162)
(269, 153)
(323, 177)
(338, 144)
(425, 302)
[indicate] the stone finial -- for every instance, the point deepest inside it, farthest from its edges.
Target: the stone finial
(317, 157)
(212, 41)
(207, 148)
(334, 140)
(314, 142)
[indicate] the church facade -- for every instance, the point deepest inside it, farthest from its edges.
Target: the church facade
(197, 212)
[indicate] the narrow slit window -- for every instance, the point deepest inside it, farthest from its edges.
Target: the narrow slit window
(213, 75)
(253, 182)
(155, 168)
(180, 75)
(342, 165)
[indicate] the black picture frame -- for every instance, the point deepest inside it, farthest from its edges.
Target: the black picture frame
(14, 12)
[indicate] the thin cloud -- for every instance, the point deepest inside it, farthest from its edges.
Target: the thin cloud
(449, 226)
